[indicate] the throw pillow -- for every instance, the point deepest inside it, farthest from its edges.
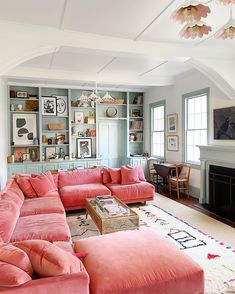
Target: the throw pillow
(106, 176)
(15, 256)
(12, 276)
(140, 172)
(43, 184)
(24, 183)
(129, 175)
(48, 260)
(115, 174)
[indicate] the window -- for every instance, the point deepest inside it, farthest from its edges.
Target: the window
(158, 129)
(196, 122)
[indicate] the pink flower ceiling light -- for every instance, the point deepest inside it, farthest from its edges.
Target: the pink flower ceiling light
(191, 13)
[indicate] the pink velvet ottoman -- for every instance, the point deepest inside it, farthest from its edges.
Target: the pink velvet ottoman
(139, 262)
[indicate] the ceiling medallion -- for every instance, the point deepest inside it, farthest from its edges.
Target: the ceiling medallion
(191, 13)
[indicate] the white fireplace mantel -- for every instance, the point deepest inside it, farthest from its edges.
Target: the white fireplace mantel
(213, 155)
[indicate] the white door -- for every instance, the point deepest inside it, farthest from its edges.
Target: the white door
(111, 143)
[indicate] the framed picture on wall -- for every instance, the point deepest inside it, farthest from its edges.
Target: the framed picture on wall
(172, 143)
(172, 123)
(61, 105)
(48, 105)
(24, 128)
(84, 147)
(224, 123)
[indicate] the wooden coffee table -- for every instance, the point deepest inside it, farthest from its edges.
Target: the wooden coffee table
(109, 224)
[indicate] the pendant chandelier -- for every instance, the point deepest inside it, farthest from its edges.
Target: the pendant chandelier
(191, 12)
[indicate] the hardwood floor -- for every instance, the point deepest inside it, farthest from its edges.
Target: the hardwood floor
(194, 204)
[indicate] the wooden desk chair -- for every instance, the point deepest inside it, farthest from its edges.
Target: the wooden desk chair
(152, 176)
(181, 181)
(163, 173)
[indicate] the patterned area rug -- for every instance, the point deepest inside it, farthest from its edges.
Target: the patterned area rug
(217, 259)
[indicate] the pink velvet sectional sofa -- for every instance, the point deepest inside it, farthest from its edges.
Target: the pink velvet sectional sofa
(43, 218)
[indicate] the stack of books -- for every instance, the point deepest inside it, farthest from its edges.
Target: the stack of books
(110, 205)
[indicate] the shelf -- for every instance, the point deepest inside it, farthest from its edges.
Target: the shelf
(136, 117)
(54, 145)
(23, 99)
(24, 111)
(136, 105)
(135, 141)
(76, 137)
(54, 116)
(23, 146)
(55, 131)
(81, 124)
(135, 130)
(81, 107)
(109, 118)
(111, 104)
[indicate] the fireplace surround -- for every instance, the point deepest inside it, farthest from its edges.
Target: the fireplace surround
(217, 185)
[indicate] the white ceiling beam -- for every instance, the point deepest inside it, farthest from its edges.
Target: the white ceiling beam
(106, 65)
(157, 66)
(62, 18)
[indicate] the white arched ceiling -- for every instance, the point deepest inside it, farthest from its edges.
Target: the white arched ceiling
(122, 31)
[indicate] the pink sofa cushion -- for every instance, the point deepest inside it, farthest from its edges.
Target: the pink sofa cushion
(12, 276)
(14, 187)
(12, 196)
(66, 246)
(43, 205)
(48, 260)
(80, 177)
(9, 214)
(24, 183)
(15, 256)
(129, 175)
(133, 192)
(139, 262)
(106, 176)
(43, 184)
(74, 196)
(51, 227)
(115, 174)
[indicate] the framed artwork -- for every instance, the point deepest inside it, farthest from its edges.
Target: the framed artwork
(34, 153)
(84, 147)
(79, 117)
(24, 128)
(172, 123)
(50, 152)
(26, 157)
(172, 143)
(18, 153)
(48, 105)
(224, 123)
(61, 105)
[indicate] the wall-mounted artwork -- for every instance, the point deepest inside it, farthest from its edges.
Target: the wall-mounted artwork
(224, 123)
(172, 123)
(49, 105)
(172, 143)
(24, 128)
(61, 105)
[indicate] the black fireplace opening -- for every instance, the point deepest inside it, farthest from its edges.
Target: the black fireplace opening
(222, 191)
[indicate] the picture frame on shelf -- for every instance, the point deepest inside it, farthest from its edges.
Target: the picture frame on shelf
(173, 143)
(24, 128)
(84, 147)
(18, 153)
(34, 153)
(26, 157)
(21, 94)
(79, 117)
(172, 123)
(50, 152)
(49, 106)
(61, 105)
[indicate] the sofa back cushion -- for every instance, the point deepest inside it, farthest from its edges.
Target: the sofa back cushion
(79, 177)
(9, 214)
(15, 256)
(12, 276)
(106, 176)
(48, 260)
(13, 192)
(115, 174)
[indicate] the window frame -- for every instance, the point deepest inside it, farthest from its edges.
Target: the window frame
(151, 109)
(185, 97)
